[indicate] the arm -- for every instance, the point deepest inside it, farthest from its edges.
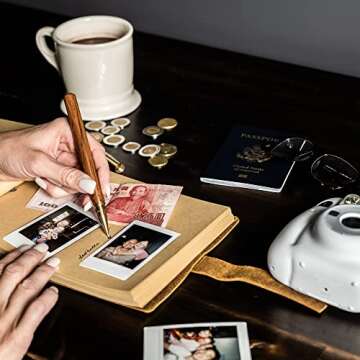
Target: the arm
(46, 154)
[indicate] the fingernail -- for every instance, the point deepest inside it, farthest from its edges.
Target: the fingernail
(108, 191)
(54, 289)
(87, 185)
(58, 192)
(41, 248)
(53, 262)
(88, 206)
(41, 183)
(23, 248)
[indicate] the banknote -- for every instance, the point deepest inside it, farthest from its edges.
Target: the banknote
(44, 202)
(151, 203)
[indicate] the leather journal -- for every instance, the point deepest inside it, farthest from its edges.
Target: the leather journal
(202, 225)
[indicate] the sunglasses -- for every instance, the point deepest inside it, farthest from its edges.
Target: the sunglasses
(330, 170)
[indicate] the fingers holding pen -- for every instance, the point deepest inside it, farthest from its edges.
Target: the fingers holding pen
(101, 164)
(66, 177)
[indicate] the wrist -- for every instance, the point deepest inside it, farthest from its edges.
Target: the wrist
(9, 142)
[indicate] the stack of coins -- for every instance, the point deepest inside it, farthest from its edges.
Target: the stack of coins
(158, 155)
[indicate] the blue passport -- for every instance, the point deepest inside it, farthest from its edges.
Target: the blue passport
(244, 160)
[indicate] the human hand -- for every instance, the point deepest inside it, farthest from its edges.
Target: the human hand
(23, 303)
(46, 154)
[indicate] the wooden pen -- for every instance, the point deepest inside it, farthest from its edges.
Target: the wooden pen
(85, 157)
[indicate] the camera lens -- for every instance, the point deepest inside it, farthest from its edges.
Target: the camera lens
(352, 222)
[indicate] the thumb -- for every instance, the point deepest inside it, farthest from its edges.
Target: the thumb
(61, 175)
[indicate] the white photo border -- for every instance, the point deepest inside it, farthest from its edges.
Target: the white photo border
(17, 239)
(119, 271)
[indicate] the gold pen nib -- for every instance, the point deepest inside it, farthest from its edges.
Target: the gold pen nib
(100, 211)
(106, 229)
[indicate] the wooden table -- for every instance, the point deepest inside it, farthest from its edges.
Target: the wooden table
(208, 91)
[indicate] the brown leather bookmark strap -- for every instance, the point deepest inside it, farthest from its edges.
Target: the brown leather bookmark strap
(224, 271)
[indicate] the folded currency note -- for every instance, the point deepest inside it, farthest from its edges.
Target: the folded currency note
(151, 203)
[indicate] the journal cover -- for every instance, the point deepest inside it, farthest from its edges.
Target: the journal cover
(200, 223)
(245, 160)
(203, 226)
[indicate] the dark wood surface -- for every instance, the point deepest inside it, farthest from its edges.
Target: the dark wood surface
(208, 91)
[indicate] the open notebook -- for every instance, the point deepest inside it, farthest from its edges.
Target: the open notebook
(201, 224)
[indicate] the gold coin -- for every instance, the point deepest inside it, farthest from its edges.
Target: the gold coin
(167, 123)
(152, 131)
(158, 161)
(97, 136)
(114, 140)
(95, 125)
(149, 150)
(110, 130)
(131, 146)
(121, 122)
(168, 150)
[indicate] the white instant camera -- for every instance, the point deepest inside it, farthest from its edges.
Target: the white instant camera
(318, 253)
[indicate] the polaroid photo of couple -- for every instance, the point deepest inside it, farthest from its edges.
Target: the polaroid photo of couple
(130, 249)
(58, 229)
(203, 341)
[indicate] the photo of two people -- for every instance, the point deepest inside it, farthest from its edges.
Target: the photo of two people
(133, 246)
(201, 343)
(59, 227)
(130, 249)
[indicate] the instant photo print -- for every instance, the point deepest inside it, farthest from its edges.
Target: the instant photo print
(130, 249)
(209, 341)
(58, 229)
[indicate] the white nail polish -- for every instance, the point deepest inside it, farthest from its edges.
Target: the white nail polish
(108, 191)
(41, 247)
(87, 185)
(41, 183)
(53, 262)
(24, 248)
(88, 206)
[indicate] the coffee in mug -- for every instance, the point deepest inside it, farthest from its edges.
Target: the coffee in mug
(94, 55)
(94, 40)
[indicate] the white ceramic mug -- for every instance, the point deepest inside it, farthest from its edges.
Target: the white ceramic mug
(94, 56)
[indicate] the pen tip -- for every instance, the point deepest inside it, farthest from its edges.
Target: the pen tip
(103, 220)
(106, 230)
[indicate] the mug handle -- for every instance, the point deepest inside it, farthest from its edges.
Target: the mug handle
(48, 54)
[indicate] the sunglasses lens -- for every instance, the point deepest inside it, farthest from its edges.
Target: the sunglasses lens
(294, 149)
(333, 171)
